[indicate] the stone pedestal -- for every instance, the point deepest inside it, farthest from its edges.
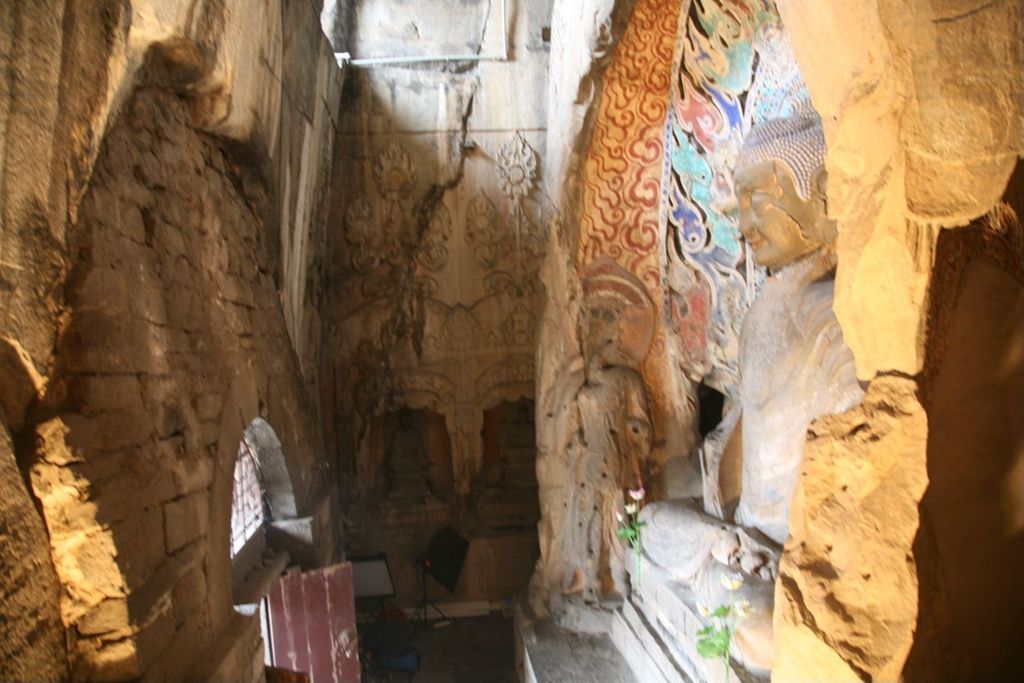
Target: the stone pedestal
(509, 509)
(656, 631)
(409, 485)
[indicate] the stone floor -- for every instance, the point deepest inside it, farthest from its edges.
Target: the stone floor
(560, 656)
(473, 650)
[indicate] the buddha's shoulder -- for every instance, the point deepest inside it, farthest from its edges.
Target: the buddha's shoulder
(813, 313)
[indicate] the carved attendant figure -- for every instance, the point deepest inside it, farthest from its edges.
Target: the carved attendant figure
(616, 325)
(794, 368)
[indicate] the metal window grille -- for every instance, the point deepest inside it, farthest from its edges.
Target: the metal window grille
(247, 513)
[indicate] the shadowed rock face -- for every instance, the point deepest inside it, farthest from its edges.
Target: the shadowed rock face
(31, 632)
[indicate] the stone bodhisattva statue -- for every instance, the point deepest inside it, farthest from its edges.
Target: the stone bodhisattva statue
(794, 368)
(603, 436)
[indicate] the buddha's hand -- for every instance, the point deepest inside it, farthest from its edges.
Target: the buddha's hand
(755, 557)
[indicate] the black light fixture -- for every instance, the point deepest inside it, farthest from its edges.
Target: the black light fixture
(444, 557)
(443, 560)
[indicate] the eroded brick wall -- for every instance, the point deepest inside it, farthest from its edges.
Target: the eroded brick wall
(173, 340)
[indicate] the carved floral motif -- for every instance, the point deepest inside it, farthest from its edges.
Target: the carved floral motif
(517, 168)
(386, 232)
(393, 171)
(510, 247)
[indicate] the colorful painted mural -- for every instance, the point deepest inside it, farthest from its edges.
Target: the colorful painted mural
(622, 177)
(685, 83)
(732, 67)
(621, 204)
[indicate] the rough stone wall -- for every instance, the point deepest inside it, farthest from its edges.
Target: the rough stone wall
(922, 106)
(32, 643)
(970, 543)
(126, 451)
(173, 341)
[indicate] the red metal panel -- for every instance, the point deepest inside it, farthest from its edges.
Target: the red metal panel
(342, 610)
(314, 587)
(280, 630)
(295, 603)
(313, 624)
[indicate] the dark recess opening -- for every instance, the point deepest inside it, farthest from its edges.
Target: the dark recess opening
(711, 402)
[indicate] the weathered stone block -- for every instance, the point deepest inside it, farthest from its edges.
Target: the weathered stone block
(104, 290)
(100, 343)
(846, 599)
(186, 519)
(101, 393)
(208, 406)
(136, 482)
(112, 250)
(117, 661)
(238, 291)
(107, 431)
(142, 537)
(192, 474)
(189, 596)
(208, 433)
(186, 309)
(143, 599)
(110, 615)
(156, 632)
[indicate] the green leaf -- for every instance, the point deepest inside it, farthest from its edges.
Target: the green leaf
(722, 639)
(722, 611)
(705, 631)
(709, 649)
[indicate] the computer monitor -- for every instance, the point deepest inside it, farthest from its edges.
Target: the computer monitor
(371, 576)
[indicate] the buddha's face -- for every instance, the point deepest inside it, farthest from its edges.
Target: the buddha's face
(599, 327)
(779, 224)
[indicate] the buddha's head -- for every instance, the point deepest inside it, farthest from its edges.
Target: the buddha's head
(780, 184)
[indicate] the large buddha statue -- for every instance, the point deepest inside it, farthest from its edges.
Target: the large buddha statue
(794, 368)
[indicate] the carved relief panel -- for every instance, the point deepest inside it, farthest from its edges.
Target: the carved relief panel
(437, 280)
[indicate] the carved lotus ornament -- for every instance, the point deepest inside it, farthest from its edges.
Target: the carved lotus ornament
(517, 168)
(393, 170)
(433, 252)
(482, 230)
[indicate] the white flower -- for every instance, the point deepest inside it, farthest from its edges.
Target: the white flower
(637, 494)
(741, 608)
(703, 609)
(731, 582)
(631, 509)
(618, 516)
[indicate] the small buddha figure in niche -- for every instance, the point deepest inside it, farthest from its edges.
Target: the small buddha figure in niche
(794, 368)
(408, 465)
